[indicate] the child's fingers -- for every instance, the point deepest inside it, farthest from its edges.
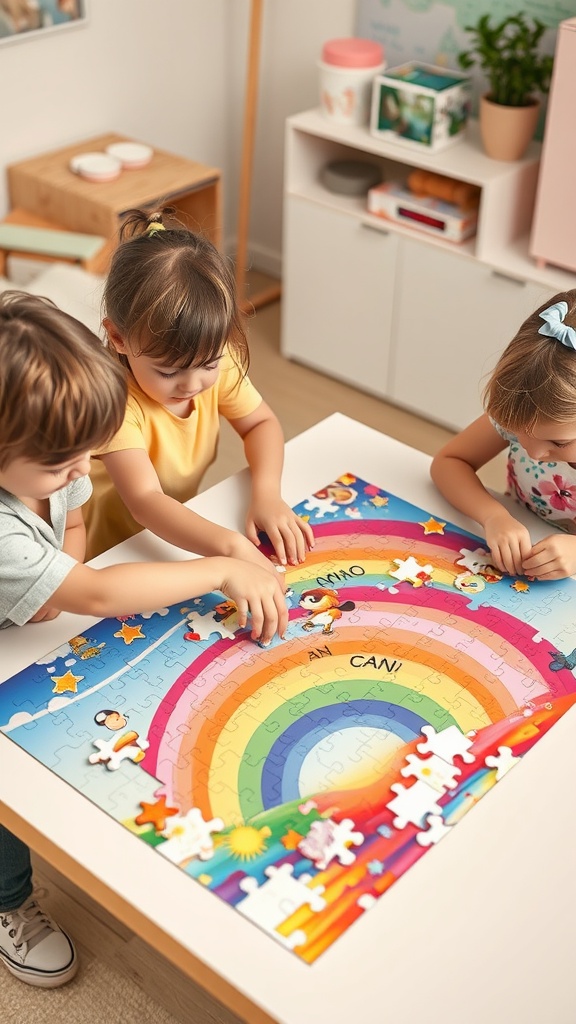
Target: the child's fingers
(242, 611)
(265, 622)
(252, 532)
(308, 532)
(283, 619)
(295, 541)
(278, 543)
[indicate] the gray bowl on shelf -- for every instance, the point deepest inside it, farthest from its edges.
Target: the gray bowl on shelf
(350, 177)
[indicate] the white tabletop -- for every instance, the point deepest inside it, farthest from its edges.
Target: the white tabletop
(480, 930)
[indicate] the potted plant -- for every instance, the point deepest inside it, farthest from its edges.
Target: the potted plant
(508, 54)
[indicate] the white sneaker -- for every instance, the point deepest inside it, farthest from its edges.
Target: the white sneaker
(34, 948)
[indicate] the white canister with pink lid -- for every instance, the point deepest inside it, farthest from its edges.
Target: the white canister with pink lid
(347, 71)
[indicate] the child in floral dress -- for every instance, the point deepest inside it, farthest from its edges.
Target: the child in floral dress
(530, 408)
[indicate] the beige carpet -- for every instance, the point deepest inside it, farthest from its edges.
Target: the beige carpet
(98, 995)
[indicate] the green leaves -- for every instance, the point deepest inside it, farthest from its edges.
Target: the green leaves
(507, 53)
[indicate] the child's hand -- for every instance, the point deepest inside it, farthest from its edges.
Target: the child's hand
(509, 542)
(45, 613)
(245, 549)
(289, 535)
(259, 592)
(553, 558)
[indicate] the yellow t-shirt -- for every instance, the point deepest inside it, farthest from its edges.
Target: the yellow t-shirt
(180, 448)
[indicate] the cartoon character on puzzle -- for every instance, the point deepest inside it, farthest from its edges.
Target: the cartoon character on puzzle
(324, 608)
(328, 499)
(297, 783)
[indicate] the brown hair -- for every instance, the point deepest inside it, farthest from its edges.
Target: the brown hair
(535, 377)
(171, 291)
(61, 392)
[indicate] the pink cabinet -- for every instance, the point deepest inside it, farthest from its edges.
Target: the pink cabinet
(553, 238)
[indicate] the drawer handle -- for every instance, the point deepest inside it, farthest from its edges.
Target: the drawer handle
(371, 226)
(508, 277)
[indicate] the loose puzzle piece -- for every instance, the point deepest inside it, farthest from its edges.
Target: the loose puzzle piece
(188, 835)
(277, 899)
(413, 804)
(503, 762)
(447, 744)
(327, 840)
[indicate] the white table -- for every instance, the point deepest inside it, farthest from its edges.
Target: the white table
(481, 930)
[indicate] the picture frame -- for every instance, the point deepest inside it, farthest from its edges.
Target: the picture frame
(21, 20)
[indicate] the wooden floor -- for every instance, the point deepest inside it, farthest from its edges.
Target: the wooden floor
(116, 964)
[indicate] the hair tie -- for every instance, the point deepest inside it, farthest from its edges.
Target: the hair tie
(153, 227)
(554, 326)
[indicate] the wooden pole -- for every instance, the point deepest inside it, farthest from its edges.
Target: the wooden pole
(249, 132)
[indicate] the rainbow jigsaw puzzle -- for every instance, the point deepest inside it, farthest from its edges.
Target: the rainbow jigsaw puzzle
(300, 781)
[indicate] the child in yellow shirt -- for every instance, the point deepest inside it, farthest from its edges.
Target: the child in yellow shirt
(172, 318)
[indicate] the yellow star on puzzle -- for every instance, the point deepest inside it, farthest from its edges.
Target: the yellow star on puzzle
(130, 633)
(520, 586)
(378, 501)
(68, 683)
(432, 526)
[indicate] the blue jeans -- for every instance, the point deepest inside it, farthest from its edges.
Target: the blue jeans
(15, 871)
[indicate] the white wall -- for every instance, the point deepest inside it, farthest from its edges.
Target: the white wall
(171, 73)
(293, 32)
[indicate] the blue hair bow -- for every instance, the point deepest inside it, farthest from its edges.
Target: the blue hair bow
(554, 326)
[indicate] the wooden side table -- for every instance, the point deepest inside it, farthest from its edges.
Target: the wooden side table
(89, 247)
(46, 187)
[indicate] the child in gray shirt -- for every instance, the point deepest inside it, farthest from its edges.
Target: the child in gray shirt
(61, 395)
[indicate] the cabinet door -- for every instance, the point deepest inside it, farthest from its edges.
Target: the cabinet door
(337, 291)
(454, 318)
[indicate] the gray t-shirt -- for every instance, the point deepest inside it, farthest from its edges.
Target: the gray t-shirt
(32, 563)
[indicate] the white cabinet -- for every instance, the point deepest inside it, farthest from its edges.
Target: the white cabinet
(454, 315)
(396, 311)
(343, 275)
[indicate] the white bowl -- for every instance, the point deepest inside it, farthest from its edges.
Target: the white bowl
(131, 155)
(96, 166)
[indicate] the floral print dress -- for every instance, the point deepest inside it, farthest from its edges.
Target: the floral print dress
(546, 488)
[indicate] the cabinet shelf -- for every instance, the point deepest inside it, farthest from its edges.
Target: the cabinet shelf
(507, 188)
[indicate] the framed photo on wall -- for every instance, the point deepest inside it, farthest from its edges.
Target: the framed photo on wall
(31, 19)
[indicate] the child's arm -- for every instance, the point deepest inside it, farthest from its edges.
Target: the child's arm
(263, 441)
(137, 483)
(454, 471)
(127, 588)
(74, 544)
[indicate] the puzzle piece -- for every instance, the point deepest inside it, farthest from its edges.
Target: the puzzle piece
(409, 570)
(433, 770)
(447, 744)
(201, 627)
(189, 835)
(112, 752)
(270, 904)
(503, 761)
(436, 831)
(413, 805)
(329, 840)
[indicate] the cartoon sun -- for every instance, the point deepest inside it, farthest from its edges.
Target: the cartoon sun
(245, 842)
